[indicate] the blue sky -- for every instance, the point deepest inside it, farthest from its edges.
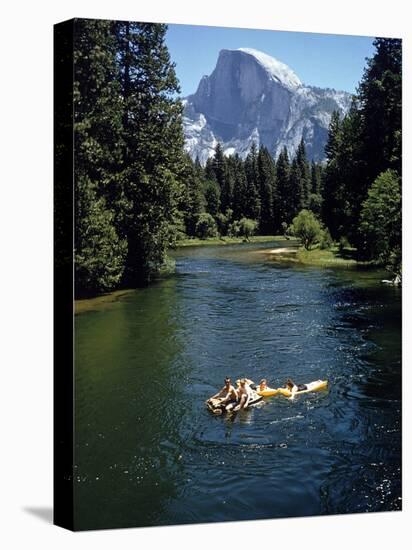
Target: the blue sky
(324, 60)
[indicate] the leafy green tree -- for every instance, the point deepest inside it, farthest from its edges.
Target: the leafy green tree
(315, 203)
(234, 229)
(307, 228)
(223, 222)
(380, 222)
(247, 227)
(206, 226)
(325, 239)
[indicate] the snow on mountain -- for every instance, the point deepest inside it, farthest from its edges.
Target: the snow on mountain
(276, 69)
(251, 97)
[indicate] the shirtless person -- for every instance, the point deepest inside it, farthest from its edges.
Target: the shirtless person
(244, 394)
(225, 395)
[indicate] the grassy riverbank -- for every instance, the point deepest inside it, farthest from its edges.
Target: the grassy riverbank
(332, 257)
(329, 258)
(217, 241)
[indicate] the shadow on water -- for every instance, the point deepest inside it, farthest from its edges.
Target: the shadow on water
(149, 453)
(127, 445)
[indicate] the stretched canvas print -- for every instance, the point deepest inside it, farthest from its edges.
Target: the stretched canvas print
(227, 274)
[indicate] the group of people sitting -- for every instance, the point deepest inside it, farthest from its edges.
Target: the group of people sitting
(231, 398)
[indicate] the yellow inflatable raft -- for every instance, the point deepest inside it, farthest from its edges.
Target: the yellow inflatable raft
(312, 386)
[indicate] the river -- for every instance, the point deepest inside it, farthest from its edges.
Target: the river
(147, 452)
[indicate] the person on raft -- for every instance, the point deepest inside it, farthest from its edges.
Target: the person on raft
(263, 385)
(244, 395)
(293, 388)
(226, 395)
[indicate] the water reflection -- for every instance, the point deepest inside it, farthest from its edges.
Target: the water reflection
(127, 445)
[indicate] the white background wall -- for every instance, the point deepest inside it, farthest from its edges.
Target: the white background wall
(26, 270)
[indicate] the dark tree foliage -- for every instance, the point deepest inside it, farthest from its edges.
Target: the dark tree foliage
(136, 191)
(252, 200)
(219, 166)
(211, 191)
(316, 178)
(266, 176)
(227, 185)
(380, 109)
(129, 161)
(381, 222)
(296, 190)
(362, 146)
(192, 202)
(282, 206)
(99, 248)
(315, 199)
(153, 146)
(239, 190)
(304, 175)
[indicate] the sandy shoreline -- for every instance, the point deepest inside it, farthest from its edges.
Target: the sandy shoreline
(289, 250)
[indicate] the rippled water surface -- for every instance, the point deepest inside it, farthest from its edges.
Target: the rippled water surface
(148, 452)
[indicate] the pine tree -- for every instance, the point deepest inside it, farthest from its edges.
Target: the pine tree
(316, 178)
(227, 185)
(211, 191)
(333, 191)
(252, 201)
(267, 183)
(315, 196)
(295, 190)
(153, 151)
(305, 179)
(281, 207)
(380, 106)
(334, 136)
(192, 200)
(239, 189)
(210, 173)
(219, 166)
(99, 247)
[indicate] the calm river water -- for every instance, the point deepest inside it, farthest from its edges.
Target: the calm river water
(148, 452)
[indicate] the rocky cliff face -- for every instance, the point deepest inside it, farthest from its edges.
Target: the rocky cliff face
(252, 97)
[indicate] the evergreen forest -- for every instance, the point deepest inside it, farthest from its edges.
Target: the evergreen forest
(137, 193)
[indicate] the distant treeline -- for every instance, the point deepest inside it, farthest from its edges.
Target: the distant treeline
(137, 192)
(231, 196)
